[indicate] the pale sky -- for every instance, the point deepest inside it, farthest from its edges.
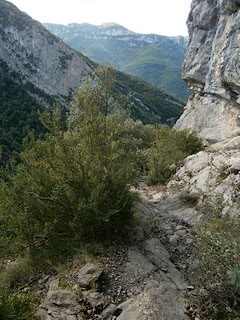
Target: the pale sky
(165, 17)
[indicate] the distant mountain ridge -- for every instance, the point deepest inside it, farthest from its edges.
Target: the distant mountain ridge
(155, 58)
(37, 69)
(50, 70)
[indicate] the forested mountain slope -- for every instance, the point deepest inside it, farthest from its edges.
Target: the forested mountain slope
(38, 69)
(155, 58)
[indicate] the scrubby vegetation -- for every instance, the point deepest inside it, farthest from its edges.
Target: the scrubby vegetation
(170, 147)
(72, 187)
(215, 269)
(16, 305)
(74, 183)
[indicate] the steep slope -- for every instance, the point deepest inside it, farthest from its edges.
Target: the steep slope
(38, 56)
(154, 58)
(18, 112)
(49, 70)
(211, 69)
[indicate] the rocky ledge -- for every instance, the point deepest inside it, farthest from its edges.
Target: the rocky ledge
(211, 70)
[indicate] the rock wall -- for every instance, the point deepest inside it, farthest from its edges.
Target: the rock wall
(212, 69)
(37, 55)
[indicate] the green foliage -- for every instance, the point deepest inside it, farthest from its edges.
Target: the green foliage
(16, 273)
(234, 276)
(16, 305)
(214, 269)
(74, 184)
(139, 138)
(18, 113)
(159, 63)
(151, 104)
(170, 147)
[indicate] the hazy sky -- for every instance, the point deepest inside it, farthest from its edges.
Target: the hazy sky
(165, 17)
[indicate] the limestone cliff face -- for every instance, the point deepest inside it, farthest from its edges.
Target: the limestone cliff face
(38, 56)
(212, 69)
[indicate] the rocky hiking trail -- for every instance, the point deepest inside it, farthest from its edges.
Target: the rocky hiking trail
(140, 280)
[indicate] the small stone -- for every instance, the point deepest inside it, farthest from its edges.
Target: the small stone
(88, 274)
(95, 299)
(190, 288)
(174, 239)
(181, 249)
(235, 168)
(178, 227)
(109, 311)
(189, 241)
(182, 233)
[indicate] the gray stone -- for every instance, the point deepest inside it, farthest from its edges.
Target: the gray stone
(59, 305)
(95, 299)
(109, 311)
(156, 253)
(211, 69)
(160, 302)
(138, 265)
(182, 233)
(53, 66)
(173, 239)
(90, 273)
(235, 168)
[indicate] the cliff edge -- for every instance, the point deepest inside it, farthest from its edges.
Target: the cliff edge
(211, 70)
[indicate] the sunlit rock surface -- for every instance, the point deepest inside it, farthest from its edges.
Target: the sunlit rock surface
(211, 69)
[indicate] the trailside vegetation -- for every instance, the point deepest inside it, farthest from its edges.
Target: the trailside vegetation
(214, 269)
(170, 147)
(74, 184)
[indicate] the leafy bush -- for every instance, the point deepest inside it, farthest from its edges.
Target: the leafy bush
(170, 147)
(75, 183)
(16, 305)
(16, 273)
(139, 138)
(215, 269)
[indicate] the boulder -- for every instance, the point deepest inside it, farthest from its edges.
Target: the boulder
(89, 274)
(59, 305)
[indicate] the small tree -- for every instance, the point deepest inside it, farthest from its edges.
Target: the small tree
(75, 183)
(169, 148)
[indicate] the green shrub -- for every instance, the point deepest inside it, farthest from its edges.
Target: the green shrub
(215, 269)
(16, 305)
(170, 147)
(189, 198)
(139, 138)
(16, 273)
(75, 183)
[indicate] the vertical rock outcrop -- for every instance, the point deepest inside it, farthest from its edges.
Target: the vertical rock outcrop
(212, 69)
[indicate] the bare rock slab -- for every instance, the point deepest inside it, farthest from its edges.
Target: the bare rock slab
(160, 302)
(59, 305)
(156, 253)
(138, 265)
